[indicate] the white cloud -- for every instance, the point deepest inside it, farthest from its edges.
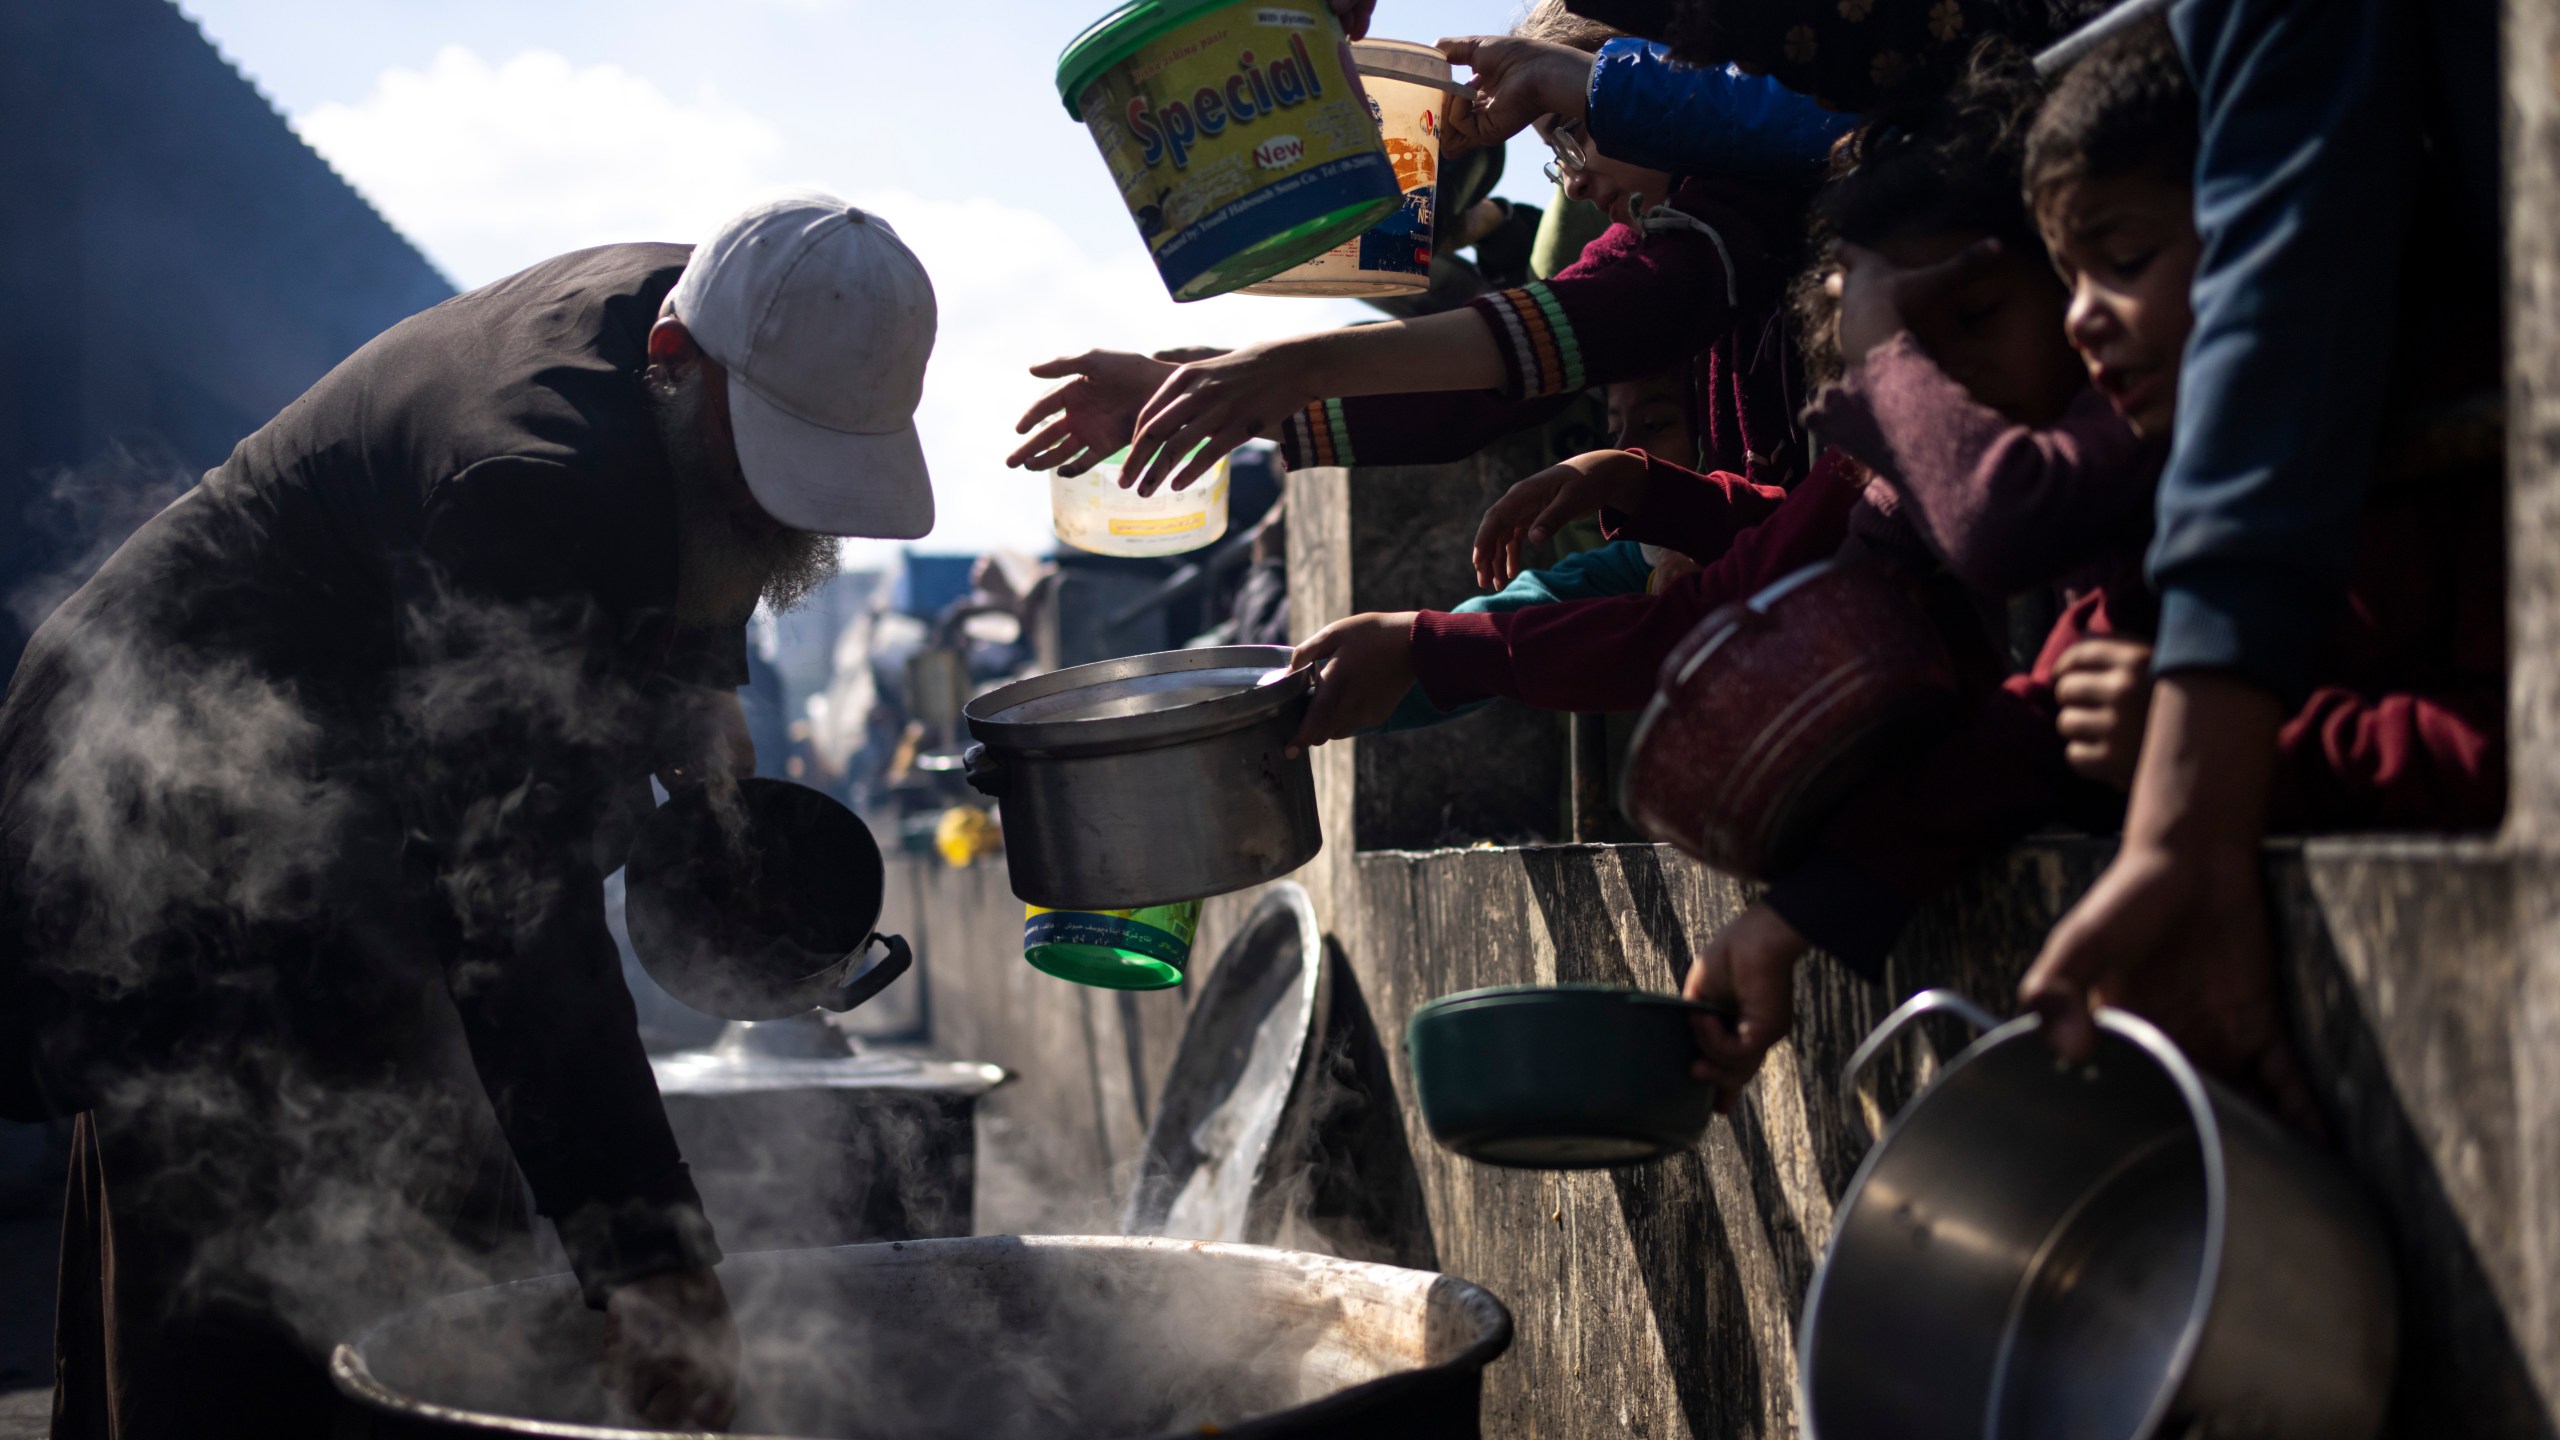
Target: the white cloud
(492, 167)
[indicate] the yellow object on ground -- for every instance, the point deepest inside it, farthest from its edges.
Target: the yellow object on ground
(964, 833)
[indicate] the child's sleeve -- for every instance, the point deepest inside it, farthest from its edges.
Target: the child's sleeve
(2392, 762)
(2006, 507)
(1639, 302)
(1426, 428)
(1697, 514)
(1607, 654)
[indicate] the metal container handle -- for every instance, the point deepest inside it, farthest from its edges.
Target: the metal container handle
(984, 774)
(874, 980)
(1928, 1002)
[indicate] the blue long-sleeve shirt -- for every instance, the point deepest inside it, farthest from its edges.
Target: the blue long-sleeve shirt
(1705, 120)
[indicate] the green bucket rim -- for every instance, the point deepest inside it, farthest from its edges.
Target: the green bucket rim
(1116, 36)
(1083, 965)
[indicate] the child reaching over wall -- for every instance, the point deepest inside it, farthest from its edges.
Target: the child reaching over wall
(2403, 727)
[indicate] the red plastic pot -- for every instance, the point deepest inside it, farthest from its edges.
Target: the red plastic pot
(1773, 709)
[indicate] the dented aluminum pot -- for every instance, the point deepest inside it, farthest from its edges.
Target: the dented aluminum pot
(1773, 709)
(997, 1337)
(2122, 1250)
(1149, 780)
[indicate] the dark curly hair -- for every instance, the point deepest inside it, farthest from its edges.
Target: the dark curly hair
(1947, 164)
(2127, 108)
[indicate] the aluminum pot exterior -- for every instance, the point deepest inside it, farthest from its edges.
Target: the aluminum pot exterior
(1150, 809)
(2259, 1301)
(1558, 1077)
(1771, 709)
(1116, 1331)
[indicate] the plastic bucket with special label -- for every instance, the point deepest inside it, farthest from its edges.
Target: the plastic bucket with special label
(1237, 132)
(1409, 88)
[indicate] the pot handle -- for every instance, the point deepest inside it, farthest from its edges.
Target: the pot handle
(874, 980)
(1928, 1002)
(985, 775)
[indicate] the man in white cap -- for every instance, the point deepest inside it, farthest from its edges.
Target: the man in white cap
(306, 797)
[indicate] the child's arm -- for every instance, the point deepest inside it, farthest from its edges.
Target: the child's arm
(1583, 655)
(2005, 506)
(1639, 497)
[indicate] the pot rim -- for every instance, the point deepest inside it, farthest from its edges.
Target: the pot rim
(1490, 995)
(1199, 720)
(355, 1380)
(2190, 1084)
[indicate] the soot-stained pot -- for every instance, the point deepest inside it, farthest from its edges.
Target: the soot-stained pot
(1151, 779)
(1773, 708)
(2117, 1251)
(763, 908)
(1559, 1077)
(997, 1337)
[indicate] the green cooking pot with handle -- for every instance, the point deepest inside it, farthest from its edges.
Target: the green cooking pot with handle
(1559, 1077)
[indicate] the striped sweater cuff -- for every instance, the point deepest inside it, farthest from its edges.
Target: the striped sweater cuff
(1318, 435)
(1540, 352)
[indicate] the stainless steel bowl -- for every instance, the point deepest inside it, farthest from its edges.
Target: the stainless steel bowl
(1148, 780)
(2114, 1251)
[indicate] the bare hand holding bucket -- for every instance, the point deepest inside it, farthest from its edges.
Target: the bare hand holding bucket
(1516, 81)
(1750, 969)
(1534, 509)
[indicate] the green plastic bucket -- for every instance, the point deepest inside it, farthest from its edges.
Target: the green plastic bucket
(1237, 132)
(1145, 949)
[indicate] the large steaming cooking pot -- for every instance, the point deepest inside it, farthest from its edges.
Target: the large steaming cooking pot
(2114, 1251)
(993, 1338)
(1144, 781)
(762, 909)
(1773, 708)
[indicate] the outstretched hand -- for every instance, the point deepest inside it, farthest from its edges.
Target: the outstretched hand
(1530, 512)
(1515, 82)
(1368, 667)
(1206, 408)
(1748, 971)
(1090, 416)
(1880, 299)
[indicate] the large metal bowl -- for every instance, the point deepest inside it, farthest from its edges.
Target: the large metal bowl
(1151, 779)
(993, 1338)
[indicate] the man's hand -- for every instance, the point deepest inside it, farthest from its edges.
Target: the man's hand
(1095, 411)
(1212, 406)
(2104, 687)
(1880, 299)
(1515, 82)
(1531, 511)
(1368, 667)
(1749, 969)
(2175, 930)
(671, 1351)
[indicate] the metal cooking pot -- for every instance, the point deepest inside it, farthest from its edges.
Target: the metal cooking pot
(1772, 709)
(993, 1338)
(761, 910)
(1148, 780)
(1559, 1077)
(2114, 1251)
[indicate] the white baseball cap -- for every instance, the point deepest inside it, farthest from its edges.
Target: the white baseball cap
(824, 320)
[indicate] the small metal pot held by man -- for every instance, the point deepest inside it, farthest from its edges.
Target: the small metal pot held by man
(307, 798)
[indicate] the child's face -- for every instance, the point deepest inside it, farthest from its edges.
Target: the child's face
(1998, 332)
(1652, 415)
(2126, 246)
(1615, 186)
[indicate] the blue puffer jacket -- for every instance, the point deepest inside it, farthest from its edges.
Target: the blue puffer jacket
(1648, 111)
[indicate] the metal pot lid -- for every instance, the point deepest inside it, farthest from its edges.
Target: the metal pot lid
(1160, 698)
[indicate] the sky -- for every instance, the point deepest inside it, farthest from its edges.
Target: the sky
(495, 133)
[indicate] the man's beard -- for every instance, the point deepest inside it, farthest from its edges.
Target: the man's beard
(729, 555)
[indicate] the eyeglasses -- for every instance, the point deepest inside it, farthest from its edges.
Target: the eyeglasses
(1561, 138)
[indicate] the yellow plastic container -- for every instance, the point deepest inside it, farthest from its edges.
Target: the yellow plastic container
(1091, 512)
(1236, 132)
(1409, 88)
